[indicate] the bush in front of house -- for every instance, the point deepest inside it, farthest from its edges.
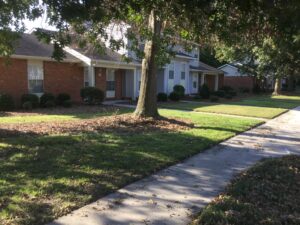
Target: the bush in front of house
(92, 95)
(6, 102)
(226, 88)
(256, 89)
(67, 104)
(204, 91)
(162, 97)
(50, 104)
(220, 93)
(232, 93)
(244, 90)
(174, 96)
(61, 98)
(47, 97)
(228, 96)
(32, 98)
(179, 89)
(27, 105)
(214, 99)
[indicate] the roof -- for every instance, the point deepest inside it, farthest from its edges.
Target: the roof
(202, 67)
(29, 45)
(228, 64)
(184, 55)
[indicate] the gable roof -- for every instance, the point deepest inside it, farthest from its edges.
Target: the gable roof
(28, 45)
(202, 67)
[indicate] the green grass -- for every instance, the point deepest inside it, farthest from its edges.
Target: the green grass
(43, 177)
(262, 106)
(57, 117)
(267, 194)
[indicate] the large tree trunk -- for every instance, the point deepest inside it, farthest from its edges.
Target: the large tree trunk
(277, 87)
(147, 103)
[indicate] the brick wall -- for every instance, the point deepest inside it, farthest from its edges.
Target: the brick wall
(13, 78)
(221, 80)
(63, 78)
(237, 82)
(100, 80)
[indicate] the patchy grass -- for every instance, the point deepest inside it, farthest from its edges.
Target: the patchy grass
(52, 115)
(44, 177)
(267, 194)
(262, 106)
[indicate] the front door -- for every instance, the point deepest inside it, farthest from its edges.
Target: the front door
(110, 84)
(194, 82)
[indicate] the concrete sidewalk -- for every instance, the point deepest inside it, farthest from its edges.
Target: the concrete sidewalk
(172, 195)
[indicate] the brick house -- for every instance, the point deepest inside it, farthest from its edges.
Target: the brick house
(31, 69)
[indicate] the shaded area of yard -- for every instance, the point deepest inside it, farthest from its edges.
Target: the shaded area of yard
(267, 194)
(60, 114)
(261, 106)
(43, 177)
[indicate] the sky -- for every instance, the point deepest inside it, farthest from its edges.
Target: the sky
(38, 23)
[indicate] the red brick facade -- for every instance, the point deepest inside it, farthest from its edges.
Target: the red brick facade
(237, 82)
(13, 78)
(100, 80)
(63, 78)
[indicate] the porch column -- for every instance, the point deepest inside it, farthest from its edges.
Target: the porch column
(134, 84)
(91, 75)
(216, 82)
(202, 79)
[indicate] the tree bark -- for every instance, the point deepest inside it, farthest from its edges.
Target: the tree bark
(147, 102)
(277, 87)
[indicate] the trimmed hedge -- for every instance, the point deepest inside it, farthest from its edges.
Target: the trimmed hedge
(162, 97)
(61, 98)
(179, 89)
(174, 96)
(46, 98)
(32, 98)
(204, 91)
(6, 102)
(92, 95)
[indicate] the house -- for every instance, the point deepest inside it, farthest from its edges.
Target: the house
(31, 69)
(235, 78)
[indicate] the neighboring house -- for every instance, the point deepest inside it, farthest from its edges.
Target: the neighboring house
(234, 78)
(31, 69)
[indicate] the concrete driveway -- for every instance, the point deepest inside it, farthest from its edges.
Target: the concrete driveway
(172, 195)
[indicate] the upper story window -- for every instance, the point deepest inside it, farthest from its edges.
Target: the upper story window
(35, 77)
(171, 71)
(183, 72)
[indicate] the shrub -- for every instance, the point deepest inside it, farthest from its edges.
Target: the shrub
(226, 88)
(92, 95)
(61, 98)
(46, 98)
(256, 89)
(214, 99)
(67, 104)
(27, 105)
(174, 96)
(244, 90)
(6, 102)
(179, 89)
(33, 99)
(232, 93)
(228, 96)
(220, 93)
(50, 104)
(204, 91)
(162, 97)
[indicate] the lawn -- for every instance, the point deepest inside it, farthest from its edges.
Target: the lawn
(62, 114)
(262, 106)
(46, 176)
(267, 194)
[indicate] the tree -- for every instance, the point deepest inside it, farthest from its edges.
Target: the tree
(265, 34)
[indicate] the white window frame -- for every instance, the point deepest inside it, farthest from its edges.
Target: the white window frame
(183, 71)
(35, 71)
(171, 68)
(86, 80)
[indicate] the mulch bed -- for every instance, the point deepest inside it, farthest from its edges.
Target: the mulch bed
(76, 109)
(120, 124)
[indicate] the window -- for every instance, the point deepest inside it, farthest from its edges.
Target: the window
(110, 80)
(195, 84)
(183, 72)
(86, 77)
(35, 77)
(171, 71)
